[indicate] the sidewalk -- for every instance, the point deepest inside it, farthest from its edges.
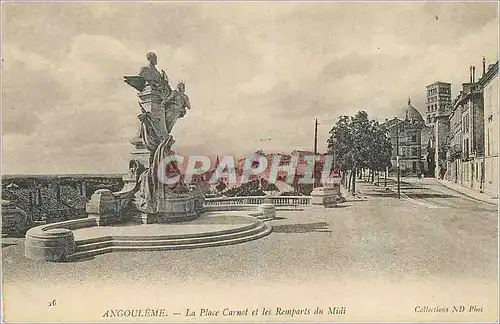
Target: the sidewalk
(471, 193)
(468, 192)
(350, 197)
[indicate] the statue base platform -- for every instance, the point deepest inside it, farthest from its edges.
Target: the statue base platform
(172, 209)
(80, 239)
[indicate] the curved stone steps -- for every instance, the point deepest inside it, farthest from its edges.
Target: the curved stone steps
(118, 245)
(170, 240)
(166, 237)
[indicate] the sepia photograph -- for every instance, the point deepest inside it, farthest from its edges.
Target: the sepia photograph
(249, 161)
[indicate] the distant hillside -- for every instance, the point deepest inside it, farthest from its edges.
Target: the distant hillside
(68, 175)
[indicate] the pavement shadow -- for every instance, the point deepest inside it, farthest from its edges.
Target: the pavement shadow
(83, 259)
(429, 195)
(356, 199)
(301, 228)
(337, 206)
(289, 209)
(8, 244)
(13, 235)
(381, 194)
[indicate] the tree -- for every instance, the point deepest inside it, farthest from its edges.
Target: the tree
(340, 143)
(379, 157)
(359, 143)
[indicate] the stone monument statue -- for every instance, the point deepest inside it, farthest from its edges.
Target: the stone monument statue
(161, 107)
(172, 105)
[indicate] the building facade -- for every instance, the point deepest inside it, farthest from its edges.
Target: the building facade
(405, 132)
(489, 83)
(427, 149)
(441, 131)
(465, 156)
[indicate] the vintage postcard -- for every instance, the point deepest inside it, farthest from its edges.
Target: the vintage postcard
(249, 161)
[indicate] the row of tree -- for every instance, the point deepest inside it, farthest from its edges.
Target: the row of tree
(359, 143)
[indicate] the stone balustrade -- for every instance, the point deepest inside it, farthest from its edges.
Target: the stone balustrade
(257, 200)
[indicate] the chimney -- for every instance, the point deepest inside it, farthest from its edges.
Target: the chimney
(470, 74)
(473, 74)
(484, 65)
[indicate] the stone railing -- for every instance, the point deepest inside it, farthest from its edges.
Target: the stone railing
(257, 200)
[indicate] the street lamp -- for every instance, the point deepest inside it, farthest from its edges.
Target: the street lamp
(316, 137)
(316, 123)
(397, 160)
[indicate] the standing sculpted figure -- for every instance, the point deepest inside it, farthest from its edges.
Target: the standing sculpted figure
(173, 103)
(175, 106)
(158, 80)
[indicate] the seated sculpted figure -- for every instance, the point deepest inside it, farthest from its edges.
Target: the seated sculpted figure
(153, 185)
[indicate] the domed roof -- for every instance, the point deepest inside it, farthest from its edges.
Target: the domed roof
(411, 113)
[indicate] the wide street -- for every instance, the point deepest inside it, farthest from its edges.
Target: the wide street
(432, 235)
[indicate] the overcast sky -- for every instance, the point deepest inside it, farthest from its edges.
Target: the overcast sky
(253, 71)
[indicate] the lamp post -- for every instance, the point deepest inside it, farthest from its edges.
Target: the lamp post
(316, 137)
(316, 124)
(397, 160)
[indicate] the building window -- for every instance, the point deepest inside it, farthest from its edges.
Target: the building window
(414, 138)
(414, 166)
(414, 151)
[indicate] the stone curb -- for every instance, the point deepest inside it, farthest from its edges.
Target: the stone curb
(443, 183)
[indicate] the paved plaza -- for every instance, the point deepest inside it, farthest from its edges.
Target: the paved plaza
(431, 232)
(433, 247)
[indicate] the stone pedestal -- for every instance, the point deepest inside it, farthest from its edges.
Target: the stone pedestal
(140, 154)
(267, 211)
(326, 196)
(173, 209)
(103, 206)
(177, 209)
(199, 198)
(50, 245)
(151, 101)
(199, 202)
(145, 218)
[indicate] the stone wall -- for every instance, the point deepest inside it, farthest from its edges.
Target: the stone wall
(491, 117)
(441, 131)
